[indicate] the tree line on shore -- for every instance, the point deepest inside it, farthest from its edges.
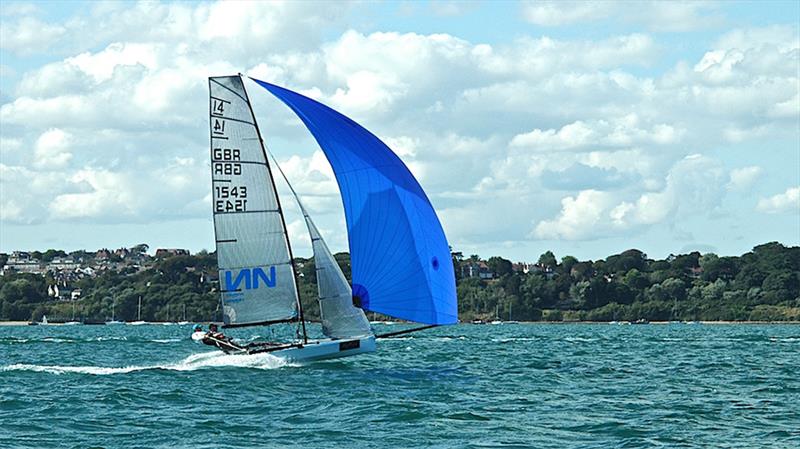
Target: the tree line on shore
(761, 285)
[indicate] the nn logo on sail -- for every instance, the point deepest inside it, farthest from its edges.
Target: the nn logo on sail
(249, 278)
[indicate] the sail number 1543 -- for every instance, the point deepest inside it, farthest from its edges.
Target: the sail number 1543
(230, 199)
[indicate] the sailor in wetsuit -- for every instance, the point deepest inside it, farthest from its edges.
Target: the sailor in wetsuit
(216, 338)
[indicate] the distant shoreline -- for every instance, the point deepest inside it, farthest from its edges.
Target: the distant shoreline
(27, 323)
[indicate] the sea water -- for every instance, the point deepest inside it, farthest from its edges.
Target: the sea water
(465, 386)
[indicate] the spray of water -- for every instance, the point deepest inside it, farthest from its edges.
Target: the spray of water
(191, 363)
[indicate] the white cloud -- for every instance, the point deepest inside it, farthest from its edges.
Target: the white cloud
(134, 194)
(52, 149)
(585, 215)
(656, 15)
(29, 35)
(677, 16)
(450, 8)
(783, 37)
(618, 132)
(788, 201)
(111, 194)
(23, 192)
(692, 187)
(101, 65)
(741, 179)
(9, 211)
(552, 13)
(490, 128)
(12, 8)
(9, 147)
(233, 28)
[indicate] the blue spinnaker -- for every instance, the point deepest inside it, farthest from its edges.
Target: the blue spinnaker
(399, 254)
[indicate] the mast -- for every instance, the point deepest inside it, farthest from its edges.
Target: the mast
(139, 314)
(280, 212)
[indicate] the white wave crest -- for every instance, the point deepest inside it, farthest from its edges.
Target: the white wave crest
(191, 363)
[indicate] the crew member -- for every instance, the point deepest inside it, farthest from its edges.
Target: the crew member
(213, 332)
(216, 338)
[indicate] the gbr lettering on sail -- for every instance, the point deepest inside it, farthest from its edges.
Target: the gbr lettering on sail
(229, 198)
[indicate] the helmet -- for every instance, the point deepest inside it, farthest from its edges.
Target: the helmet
(197, 327)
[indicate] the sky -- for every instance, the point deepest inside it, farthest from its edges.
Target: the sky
(585, 128)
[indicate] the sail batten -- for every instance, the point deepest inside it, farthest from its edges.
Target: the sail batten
(400, 258)
(256, 274)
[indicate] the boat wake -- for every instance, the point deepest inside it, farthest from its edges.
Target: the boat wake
(191, 363)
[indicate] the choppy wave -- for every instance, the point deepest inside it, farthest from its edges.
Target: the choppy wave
(544, 386)
(16, 340)
(67, 340)
(167, 340)
(191, 363)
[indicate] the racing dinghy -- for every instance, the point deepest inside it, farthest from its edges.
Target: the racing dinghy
(400, 258)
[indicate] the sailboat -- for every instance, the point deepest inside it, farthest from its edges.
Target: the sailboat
(399, 254)
(138, 321)
(497, 319)
(113, 319)
(72, 321)
(169, 322)
(510, 321)
(183, 321)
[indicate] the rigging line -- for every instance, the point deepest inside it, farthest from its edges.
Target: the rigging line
(407, 331)
(309, 222)
(296, 198)
(285, 178)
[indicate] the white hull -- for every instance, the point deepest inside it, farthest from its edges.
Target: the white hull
(136, 323)
(114, 322)
(327, 349)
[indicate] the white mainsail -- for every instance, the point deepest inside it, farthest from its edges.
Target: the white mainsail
(256, 275)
